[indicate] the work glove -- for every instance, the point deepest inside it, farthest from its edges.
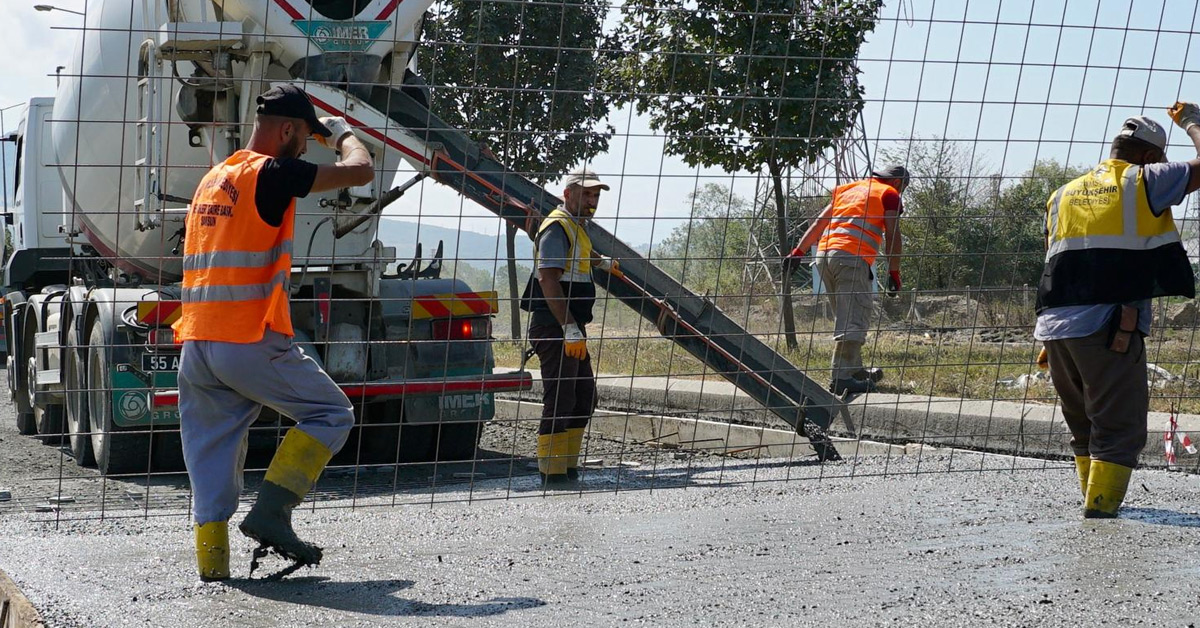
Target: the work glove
(894, 284)
(1043, 359)
(1185, 114)
(338, 127)
(610, 266)
(574, 344)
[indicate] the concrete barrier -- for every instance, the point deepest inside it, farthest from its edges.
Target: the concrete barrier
(15, 609)
(1010, 427)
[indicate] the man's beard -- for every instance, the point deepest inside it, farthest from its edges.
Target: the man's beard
(292, 150)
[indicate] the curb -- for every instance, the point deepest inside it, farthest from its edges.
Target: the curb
(15, 609)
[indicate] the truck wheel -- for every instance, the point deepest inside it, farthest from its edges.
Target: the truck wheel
(458, 441)
(117, 450)
(75, 369)
(19, 375)
(48, 419)
(26, 424)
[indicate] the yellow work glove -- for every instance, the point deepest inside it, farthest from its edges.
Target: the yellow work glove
(610, 266)
(1043, 359)
(574, 344)
(1185, 114)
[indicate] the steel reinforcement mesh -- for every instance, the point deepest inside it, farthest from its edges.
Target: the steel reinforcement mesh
(720, 128)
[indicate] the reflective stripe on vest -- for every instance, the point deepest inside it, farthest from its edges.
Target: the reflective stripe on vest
(236, 267)
(579, 255)
(1106, 209)
(856, 224)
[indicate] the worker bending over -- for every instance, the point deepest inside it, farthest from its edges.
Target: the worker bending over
(861, 218)
(236, 328)
(1112, 245)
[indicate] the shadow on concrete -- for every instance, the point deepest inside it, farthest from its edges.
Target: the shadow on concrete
(372, 597)
(1162, 517)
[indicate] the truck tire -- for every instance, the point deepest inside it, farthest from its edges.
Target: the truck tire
(75, 369)
(117, 450)
(19, 374)
(458, 441)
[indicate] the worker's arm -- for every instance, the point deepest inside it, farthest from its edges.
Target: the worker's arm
(815, 229)
(891, 241)
(1187, 116)
(550, 281)
(355, 167)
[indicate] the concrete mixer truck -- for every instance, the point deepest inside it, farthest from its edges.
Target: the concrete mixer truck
(157, 91)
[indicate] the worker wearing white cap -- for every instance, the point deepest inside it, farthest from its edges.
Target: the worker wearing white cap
(560, 295)
(1112, 245)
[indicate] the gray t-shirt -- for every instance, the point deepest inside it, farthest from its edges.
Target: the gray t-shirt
(1166, 185)
(553, 246)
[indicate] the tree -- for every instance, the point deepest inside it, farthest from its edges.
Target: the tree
(747, 84)
(522, 78)
(710, 252)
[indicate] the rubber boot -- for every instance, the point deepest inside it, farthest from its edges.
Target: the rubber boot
(1082, 465)
(574, 447)
(294, 470)
(552, 458)
(212, 550)
(1106, 487)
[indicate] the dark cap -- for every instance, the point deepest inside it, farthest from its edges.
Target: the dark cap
(892, 171)
(289, 101)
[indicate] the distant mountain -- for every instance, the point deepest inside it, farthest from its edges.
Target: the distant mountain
(468, 247)
(477, 249)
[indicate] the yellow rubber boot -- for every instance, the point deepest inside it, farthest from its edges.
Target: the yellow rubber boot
(212, 550)
(1082, 465)
(574, 447)
(294, 470)
(1107, 483)
(552, 457)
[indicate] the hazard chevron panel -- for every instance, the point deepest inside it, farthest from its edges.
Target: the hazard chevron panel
(455, 305)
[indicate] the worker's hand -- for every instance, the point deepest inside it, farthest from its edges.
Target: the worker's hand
(340, 129)
(1185, 114)
(574, 344)
(1043, 359)
(894, 284)
(610, 266)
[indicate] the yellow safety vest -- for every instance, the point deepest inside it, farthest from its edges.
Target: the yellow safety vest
(1105, 245)
(577, 276)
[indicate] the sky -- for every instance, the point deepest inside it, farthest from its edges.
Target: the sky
(1015, 80)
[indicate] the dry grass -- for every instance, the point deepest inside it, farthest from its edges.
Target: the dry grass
(944, 361)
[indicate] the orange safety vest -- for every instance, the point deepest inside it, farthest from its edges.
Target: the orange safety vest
(856, 225)
(236, 267)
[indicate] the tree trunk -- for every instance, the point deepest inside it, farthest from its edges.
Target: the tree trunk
(785, 279)
(514, 298)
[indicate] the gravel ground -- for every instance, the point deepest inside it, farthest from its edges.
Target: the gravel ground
(652, 538)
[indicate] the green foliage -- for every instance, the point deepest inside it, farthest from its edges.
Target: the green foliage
(521, 77)
(709, 252)
(745, 83)
(965, 227)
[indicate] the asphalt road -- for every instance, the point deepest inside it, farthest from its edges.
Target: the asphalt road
(950, 539)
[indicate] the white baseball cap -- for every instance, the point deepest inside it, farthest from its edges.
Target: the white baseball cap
(1146, 130)
(585, 178)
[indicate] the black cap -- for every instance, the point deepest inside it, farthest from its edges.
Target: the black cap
(892, 171)
(289, 101)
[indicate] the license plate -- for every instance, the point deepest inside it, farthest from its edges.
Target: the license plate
(160, 362)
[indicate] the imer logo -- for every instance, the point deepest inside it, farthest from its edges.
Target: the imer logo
(332, 36)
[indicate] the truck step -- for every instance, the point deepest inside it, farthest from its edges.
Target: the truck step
(49, 377)
(45, 339)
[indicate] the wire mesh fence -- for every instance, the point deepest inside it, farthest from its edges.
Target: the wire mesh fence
(721, 131)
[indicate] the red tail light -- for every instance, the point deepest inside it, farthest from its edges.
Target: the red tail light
(462, 328)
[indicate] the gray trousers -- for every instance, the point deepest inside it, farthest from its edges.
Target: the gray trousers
(847, 281)
(222, 388)
(1105, 398)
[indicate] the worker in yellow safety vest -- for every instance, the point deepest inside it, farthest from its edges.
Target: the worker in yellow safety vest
(560, 296)
(1111, 246)
(236, 329)
(860, 221)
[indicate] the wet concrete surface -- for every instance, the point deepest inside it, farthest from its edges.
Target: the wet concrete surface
(651, 537)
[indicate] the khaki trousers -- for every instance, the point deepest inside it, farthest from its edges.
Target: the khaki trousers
(847, 281)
